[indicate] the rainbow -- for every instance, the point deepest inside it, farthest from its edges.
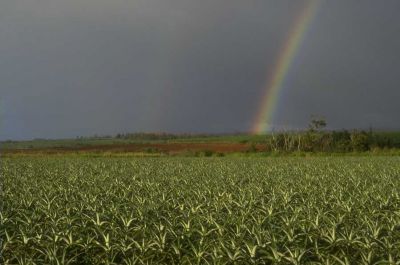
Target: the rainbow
(286, 57)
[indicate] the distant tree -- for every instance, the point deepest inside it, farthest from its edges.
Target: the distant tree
(314, 139)
(317, 124)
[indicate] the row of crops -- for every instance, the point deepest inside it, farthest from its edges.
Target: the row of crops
(71, 210)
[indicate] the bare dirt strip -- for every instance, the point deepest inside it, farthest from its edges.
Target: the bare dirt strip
(169, 148)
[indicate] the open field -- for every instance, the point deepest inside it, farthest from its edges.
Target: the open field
(142, 141)
(147, 143)
(198, 145)
(161, 148)
(136, 139)
(174, 210)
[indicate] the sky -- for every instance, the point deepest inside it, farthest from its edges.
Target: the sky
(82, 67)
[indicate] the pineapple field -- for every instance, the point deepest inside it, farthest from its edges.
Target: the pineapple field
(179, 210)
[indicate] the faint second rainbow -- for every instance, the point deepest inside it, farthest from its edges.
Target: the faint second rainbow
(276, 81)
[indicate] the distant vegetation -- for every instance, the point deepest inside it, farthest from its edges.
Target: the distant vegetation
(315, 139)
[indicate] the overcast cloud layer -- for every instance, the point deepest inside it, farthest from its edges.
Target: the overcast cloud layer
(85, 67)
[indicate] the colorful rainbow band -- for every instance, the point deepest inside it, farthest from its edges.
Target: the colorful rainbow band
(287, 55)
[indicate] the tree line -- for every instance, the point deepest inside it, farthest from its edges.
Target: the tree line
(317, 139)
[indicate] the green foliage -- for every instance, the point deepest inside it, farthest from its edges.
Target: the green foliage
(208, 153)
(360, 141)
(328, 141)
(200, 210)
(316, 139)
(341, 141)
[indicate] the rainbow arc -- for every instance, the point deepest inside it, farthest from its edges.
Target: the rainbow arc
(270, 98)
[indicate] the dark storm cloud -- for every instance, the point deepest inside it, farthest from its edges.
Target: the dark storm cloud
(71, 68)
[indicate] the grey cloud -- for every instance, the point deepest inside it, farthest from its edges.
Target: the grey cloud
(71, 68)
